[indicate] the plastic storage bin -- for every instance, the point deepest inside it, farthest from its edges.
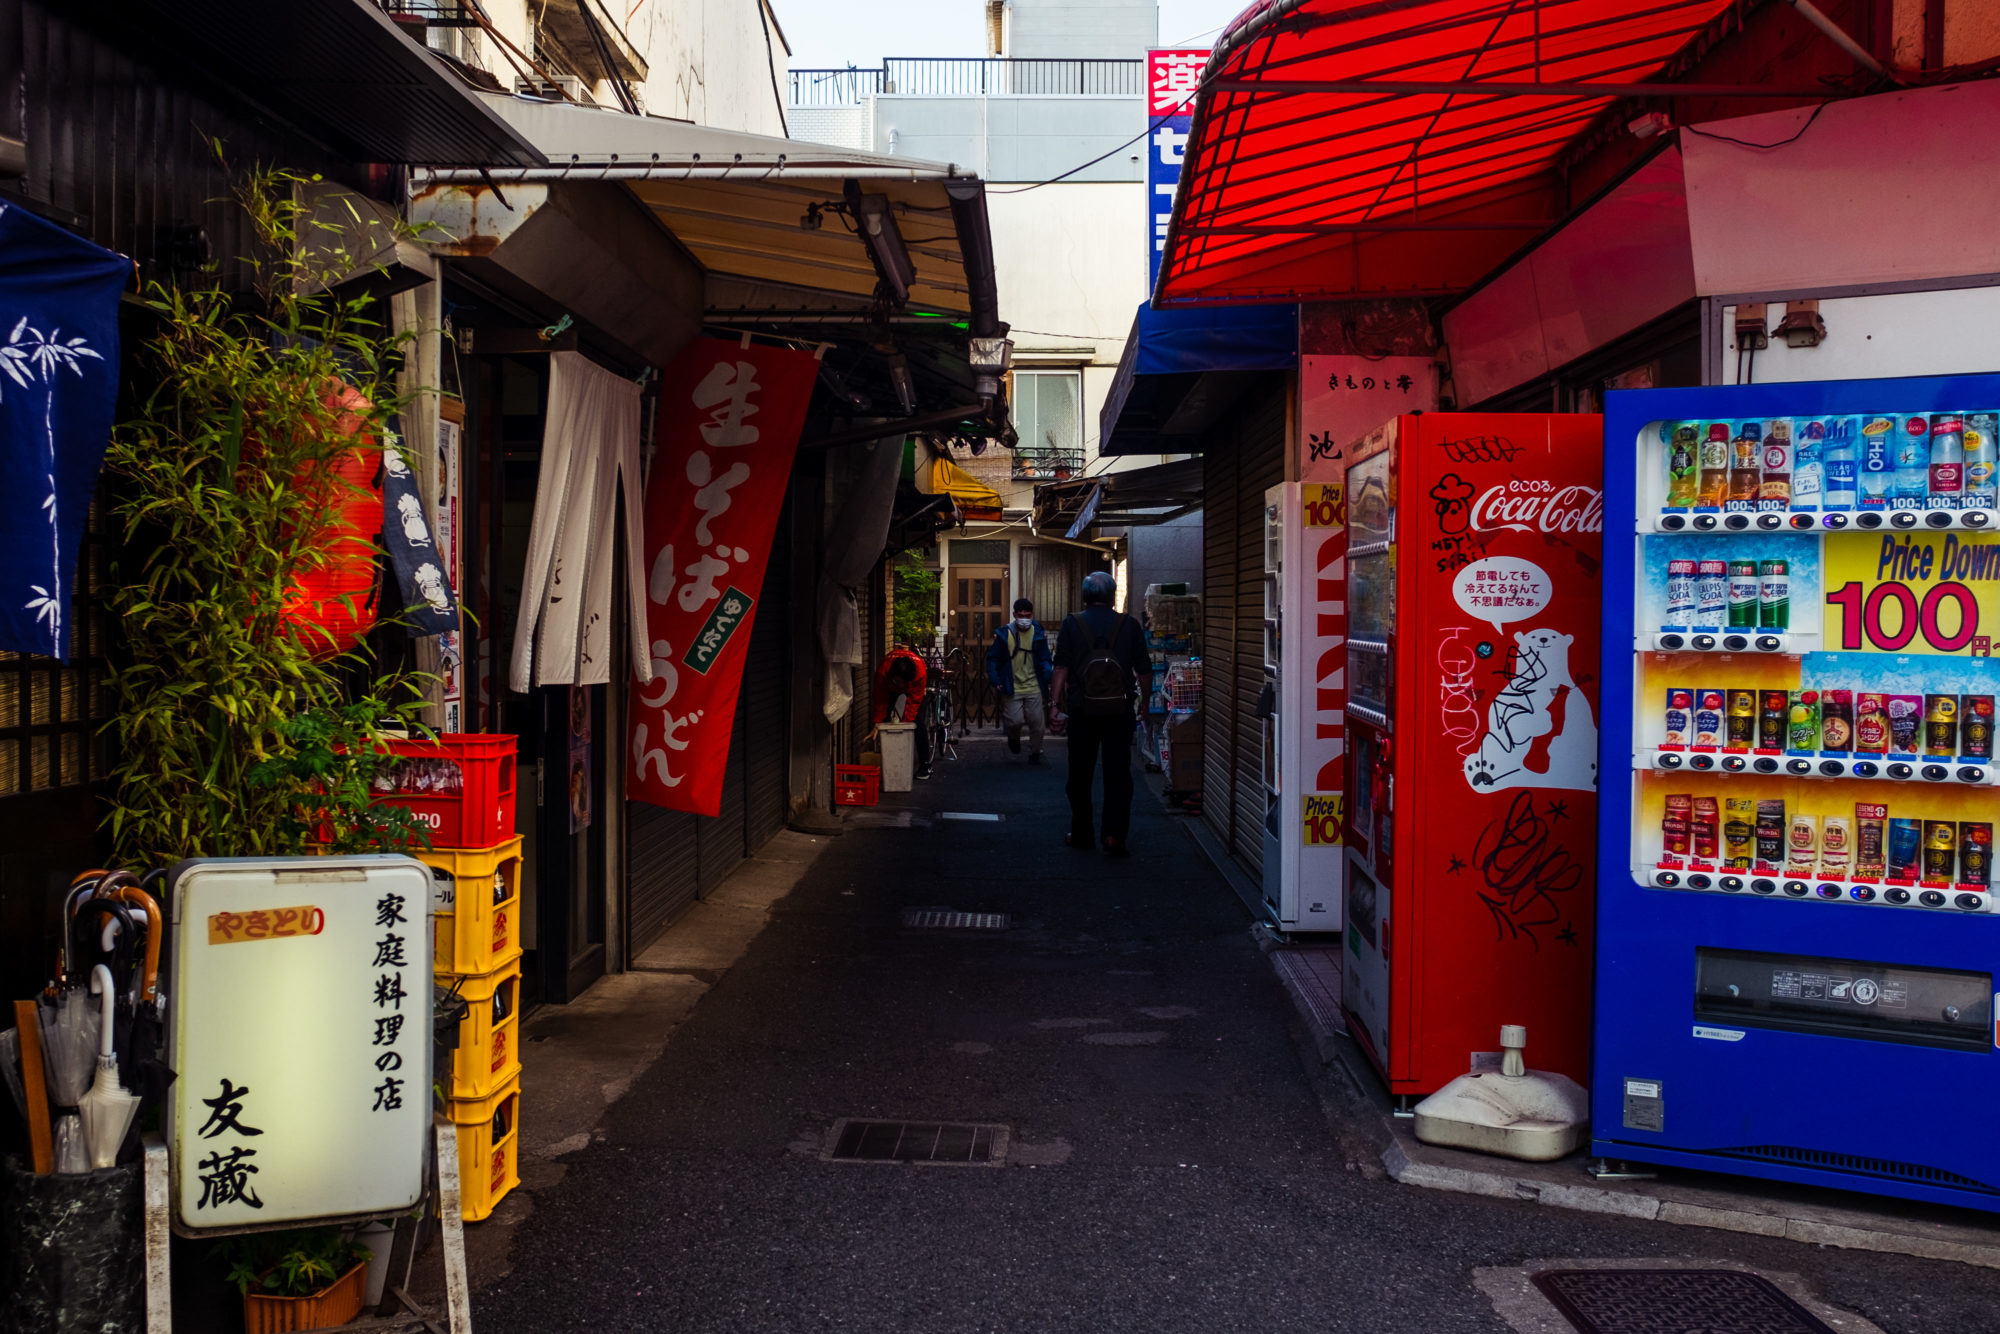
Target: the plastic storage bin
(476, 896)
(489, 1037)
(856, 784)
(899, 756)
(460, 787)
(489, 1142)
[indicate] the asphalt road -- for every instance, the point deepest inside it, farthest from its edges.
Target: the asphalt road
(1173, 1167)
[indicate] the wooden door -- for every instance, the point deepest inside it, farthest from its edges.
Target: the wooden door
(980, 603)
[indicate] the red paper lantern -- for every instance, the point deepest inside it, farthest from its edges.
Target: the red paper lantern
(333, 606)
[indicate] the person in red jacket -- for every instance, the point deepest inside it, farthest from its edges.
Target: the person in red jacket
(899, 697)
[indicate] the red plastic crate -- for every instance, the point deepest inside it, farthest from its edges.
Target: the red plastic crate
(857, 784)
(460, 787)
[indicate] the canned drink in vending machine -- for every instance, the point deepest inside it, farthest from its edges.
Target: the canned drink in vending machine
(1770, 833)
(1975, 853)
(1871, 857)
(1674, 826)
(1680, 592)
(1877, 475)
(1711, 593)
(1704, 828)
(1739, 832)
(1906, 848)
(1744, 594)
(1709, 709)
(1982, 453)
(1773, 709)
(1912, 462)
(1774, 492)
(1871, 723)
(1940, 851)
(1802, 721)
(1680, 715)
(1947, 471)
(1975, 727)
(1741, 728)
(1836, 721)
(1940, 724)
(1774, 595)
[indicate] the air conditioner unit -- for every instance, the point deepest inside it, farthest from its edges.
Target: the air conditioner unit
(556, 88)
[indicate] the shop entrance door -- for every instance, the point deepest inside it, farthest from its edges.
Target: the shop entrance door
(979, 605)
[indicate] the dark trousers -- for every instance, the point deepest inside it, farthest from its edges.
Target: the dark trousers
(1088, 738)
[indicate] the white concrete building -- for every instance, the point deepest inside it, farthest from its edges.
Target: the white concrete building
(1060, 96)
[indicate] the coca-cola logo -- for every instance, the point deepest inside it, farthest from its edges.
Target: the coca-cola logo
(1531, 507)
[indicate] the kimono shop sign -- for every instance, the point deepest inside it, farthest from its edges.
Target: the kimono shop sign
(301, 1034)
(729, 421)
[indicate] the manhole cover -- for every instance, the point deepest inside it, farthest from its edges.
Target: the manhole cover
(945, 919)
(942, 1143)
(1674, 1301)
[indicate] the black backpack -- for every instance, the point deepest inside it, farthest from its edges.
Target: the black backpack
(1104, 683)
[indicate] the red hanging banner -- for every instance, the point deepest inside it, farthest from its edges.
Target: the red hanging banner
(729, 422)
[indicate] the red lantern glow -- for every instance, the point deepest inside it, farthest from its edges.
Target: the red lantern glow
(333, 606)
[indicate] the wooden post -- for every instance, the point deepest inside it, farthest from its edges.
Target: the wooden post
(41, 1140)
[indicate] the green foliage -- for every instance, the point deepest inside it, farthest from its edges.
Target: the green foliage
(231, 733)
(327, 765)
(916, 600)
(298, 1263)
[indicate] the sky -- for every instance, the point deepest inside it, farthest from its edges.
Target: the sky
(824, 34)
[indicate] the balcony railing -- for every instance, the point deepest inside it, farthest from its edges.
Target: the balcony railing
(1047, 465)
(972, 76)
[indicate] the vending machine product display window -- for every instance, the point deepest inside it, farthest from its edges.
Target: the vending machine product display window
(1795, 899)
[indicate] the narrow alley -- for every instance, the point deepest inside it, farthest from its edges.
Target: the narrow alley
(1176, 1161)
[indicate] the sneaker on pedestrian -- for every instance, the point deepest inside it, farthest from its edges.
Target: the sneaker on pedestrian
(1014, 739)
(923, 773)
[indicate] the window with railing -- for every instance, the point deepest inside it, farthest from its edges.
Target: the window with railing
(969, 76)
(1048, 419)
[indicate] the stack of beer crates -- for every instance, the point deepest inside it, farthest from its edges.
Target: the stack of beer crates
(460, 787)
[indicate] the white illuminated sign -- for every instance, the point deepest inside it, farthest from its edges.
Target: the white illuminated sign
(301, 997)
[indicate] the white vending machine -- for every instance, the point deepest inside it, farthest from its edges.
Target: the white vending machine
(1305, 666)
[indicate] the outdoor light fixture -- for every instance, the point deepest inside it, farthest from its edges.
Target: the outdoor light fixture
(875, 219)
(989, 359)
(1802, 325)
(899, 376)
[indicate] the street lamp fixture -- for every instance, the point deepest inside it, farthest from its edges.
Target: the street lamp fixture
(989, 359)
(876, 219)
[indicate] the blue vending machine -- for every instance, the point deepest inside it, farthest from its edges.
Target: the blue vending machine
(1798, 938)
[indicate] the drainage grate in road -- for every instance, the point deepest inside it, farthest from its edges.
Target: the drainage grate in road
(946, 919)
(1674, 1301)
(935, 1143)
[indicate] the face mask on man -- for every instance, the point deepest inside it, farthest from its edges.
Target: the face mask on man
(1024, 622)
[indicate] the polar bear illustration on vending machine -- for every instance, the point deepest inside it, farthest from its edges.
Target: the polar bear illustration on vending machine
(1539, 728)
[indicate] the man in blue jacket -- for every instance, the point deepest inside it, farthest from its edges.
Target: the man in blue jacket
(1019, 666)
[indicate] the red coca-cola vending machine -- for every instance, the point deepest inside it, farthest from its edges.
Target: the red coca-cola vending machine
(1472, 653)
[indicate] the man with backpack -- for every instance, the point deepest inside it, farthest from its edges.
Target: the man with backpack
(1017, 663)
(1101, 662)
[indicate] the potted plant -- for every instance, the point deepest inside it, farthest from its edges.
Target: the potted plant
(310, 1278)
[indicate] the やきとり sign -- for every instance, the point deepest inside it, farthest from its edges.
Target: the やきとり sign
(301, 1034)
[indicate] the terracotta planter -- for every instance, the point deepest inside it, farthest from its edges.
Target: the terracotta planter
(335, 1304)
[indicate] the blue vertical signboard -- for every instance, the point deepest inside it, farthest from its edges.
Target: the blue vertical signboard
(1172, 76)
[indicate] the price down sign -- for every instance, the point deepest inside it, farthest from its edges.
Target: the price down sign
(1933, 593)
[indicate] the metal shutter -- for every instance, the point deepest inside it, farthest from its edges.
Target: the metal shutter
(719, 840)
(1218, 642)
(766, 702)
(660, 870)
(1259, 448)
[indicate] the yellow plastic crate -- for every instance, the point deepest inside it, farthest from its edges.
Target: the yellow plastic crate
(489, 1142)
(476, 895)
(489, 1037)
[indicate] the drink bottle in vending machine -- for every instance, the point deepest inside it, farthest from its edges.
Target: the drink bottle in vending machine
(1473, 604)
(1794, 883)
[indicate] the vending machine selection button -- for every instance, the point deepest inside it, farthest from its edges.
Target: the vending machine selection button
(1763, 885)
(1901, 770)
(1971, 902)
(1698, 881)
(1866, 768)
(1731, 883)
(1704, 643)
(1936, 773)
(1869, 520)
(1931, 898)
(1972, 773)
(1736, 523)
(1861, 893)
(1770, 643)
(1705, 522)
(1672, 523)
(1975, 518)
(1903, 519)
(1736, 643)
(1764, 764)
(1833, 768)
(1802, 521)
(1670, 642)
(1796, 888)
(1701, 762)
(1834, 520)
(1800, 767)
(1770, 523)
(1667, 759)
(1938, 519)
(1828, 891)
(1896, 895)
(1734, 763)
(1666, 879)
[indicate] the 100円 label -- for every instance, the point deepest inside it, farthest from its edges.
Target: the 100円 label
(1927, 592)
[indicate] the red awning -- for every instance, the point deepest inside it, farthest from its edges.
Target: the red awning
(1407, 147)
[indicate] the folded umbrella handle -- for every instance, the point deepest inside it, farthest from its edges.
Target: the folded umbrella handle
(106, 990)
(150, 979)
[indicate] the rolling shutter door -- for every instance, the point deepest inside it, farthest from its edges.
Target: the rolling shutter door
(719, 843)
(766, 700)
(1218, 644)
(1261, 464)
(660, 858)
